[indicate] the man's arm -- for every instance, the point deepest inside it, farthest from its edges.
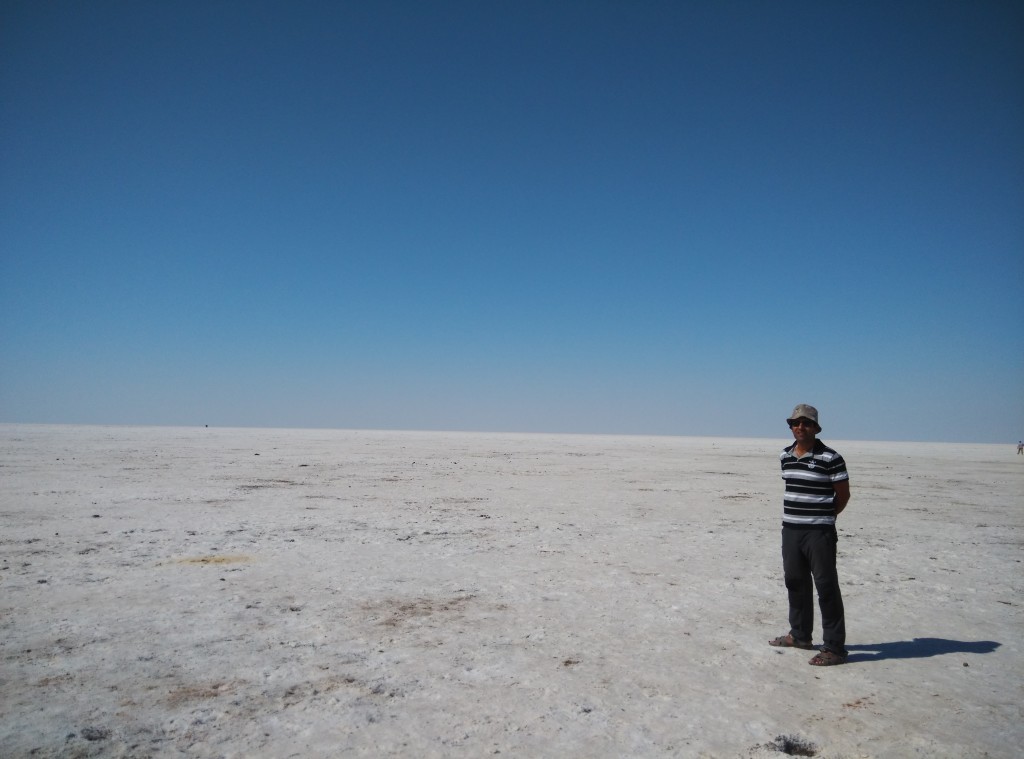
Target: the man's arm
(842, 489)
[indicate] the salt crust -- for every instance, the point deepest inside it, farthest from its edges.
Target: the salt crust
(213, 592)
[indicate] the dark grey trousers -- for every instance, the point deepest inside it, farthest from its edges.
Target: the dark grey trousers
(809, 562)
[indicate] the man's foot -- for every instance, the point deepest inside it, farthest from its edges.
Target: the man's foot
(826, 658)
(788, 641)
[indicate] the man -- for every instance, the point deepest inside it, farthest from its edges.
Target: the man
(817, 491)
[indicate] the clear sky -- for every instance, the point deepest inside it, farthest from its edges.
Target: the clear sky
(599, 217)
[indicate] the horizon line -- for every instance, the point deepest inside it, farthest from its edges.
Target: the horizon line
(451, 431)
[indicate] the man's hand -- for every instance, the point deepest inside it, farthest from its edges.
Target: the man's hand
(842, 489)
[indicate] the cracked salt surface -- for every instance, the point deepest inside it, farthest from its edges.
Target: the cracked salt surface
(168, 592)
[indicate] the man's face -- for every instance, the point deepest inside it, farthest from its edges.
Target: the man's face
(804, 430)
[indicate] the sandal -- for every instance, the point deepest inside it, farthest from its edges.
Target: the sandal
(788, 641)
(826, 658)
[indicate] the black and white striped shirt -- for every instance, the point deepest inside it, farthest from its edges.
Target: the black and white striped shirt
(810, 495)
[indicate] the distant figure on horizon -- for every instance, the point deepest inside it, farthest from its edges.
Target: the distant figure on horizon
(1020, 447)
(817, 491)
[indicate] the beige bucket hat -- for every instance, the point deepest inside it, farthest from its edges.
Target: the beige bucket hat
(803, 411)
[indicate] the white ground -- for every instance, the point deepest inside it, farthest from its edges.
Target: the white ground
(274, 593)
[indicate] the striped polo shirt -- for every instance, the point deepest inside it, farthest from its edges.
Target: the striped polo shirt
(810, 496)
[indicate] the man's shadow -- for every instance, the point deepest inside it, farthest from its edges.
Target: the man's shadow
(919, 648)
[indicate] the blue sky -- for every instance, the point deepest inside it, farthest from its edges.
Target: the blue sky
(597, 217)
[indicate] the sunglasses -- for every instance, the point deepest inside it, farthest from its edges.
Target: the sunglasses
(801, 423)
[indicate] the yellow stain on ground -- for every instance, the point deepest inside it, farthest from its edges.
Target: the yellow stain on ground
(215, 559)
